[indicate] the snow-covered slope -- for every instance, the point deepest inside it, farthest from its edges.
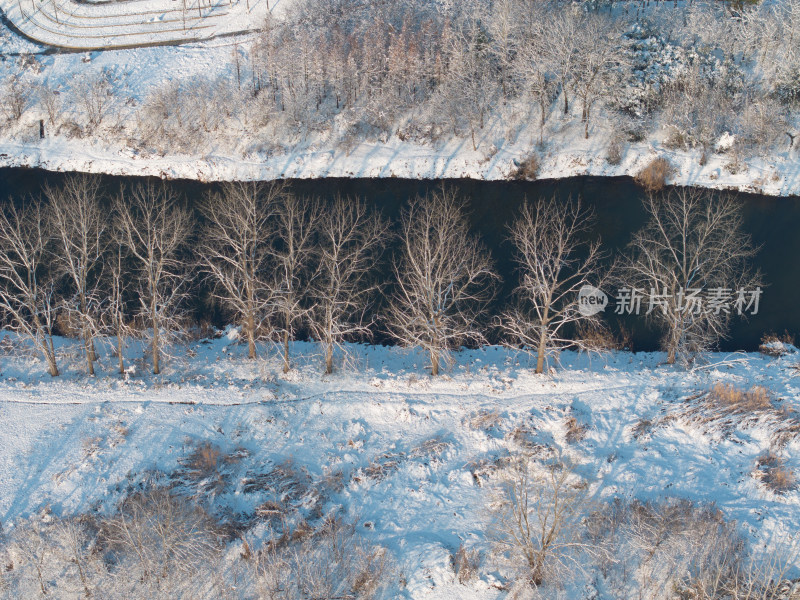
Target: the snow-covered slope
(415, 455)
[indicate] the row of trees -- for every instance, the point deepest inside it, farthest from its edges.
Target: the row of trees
(279, 264)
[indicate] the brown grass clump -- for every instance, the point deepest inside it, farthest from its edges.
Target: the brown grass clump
(737, 400)
(654, 176)
(204, 460)
(526, 169)
(724, 408)
(774, 474)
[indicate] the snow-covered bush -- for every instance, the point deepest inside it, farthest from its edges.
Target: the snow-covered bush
(537, 522)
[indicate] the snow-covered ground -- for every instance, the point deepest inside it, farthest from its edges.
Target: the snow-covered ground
(414, 454)
(569, 156)
(242, 151)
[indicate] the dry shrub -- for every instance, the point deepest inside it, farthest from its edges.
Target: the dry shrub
(287, 483)
(526, 169)
(668, 544)
(653, 177)
(598, 340)
(68, 324)
(575, 431)
(614, 153)
(157, 541)
(332, 561)
(206, 471)
(383, 465)
(466, 564)
(676, 140)
(204, 461)
(537, 522)
(729, 398)
(430, 449)
(642, 428)
(774, 474)
(485, 420)
(777, 346)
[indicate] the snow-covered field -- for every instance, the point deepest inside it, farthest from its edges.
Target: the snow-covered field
(415, 455)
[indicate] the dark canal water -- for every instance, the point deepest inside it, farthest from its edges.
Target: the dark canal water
(773, 223)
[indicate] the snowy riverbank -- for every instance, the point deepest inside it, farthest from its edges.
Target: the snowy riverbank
(416, 455)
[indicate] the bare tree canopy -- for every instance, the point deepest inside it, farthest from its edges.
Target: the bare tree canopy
(78, 225)
(350, 241)
(27, 289)
(555, 261)
(444, 277)
(693, 242)
(153, 227)
(292, 251)
(235, 252)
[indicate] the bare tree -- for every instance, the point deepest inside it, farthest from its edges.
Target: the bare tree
(537, 520)
(154, 228)
(444, 278)
(597, 67)
(78, 225)
(33, 547)
(51, 101)
(113, 315)
(235, 251)
(555, 261)
(93, 95)
(538, 83)
(470, 89)
(27, 290)
(292, 251)
(350, 240)
(559, 35)
(160, 541)
(692, 244)
(74, 543)
(15, 97)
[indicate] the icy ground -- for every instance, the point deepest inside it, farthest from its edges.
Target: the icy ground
(413, 454)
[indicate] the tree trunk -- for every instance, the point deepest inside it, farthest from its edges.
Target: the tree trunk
(48, 349)
(585, 118)
(251, 336)
(328, 358)
(120, 358)
(156, 361)
(286, 366)
(89, 356)
(434, 362)
(540, 352)
(566, 99)
(52, 367)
